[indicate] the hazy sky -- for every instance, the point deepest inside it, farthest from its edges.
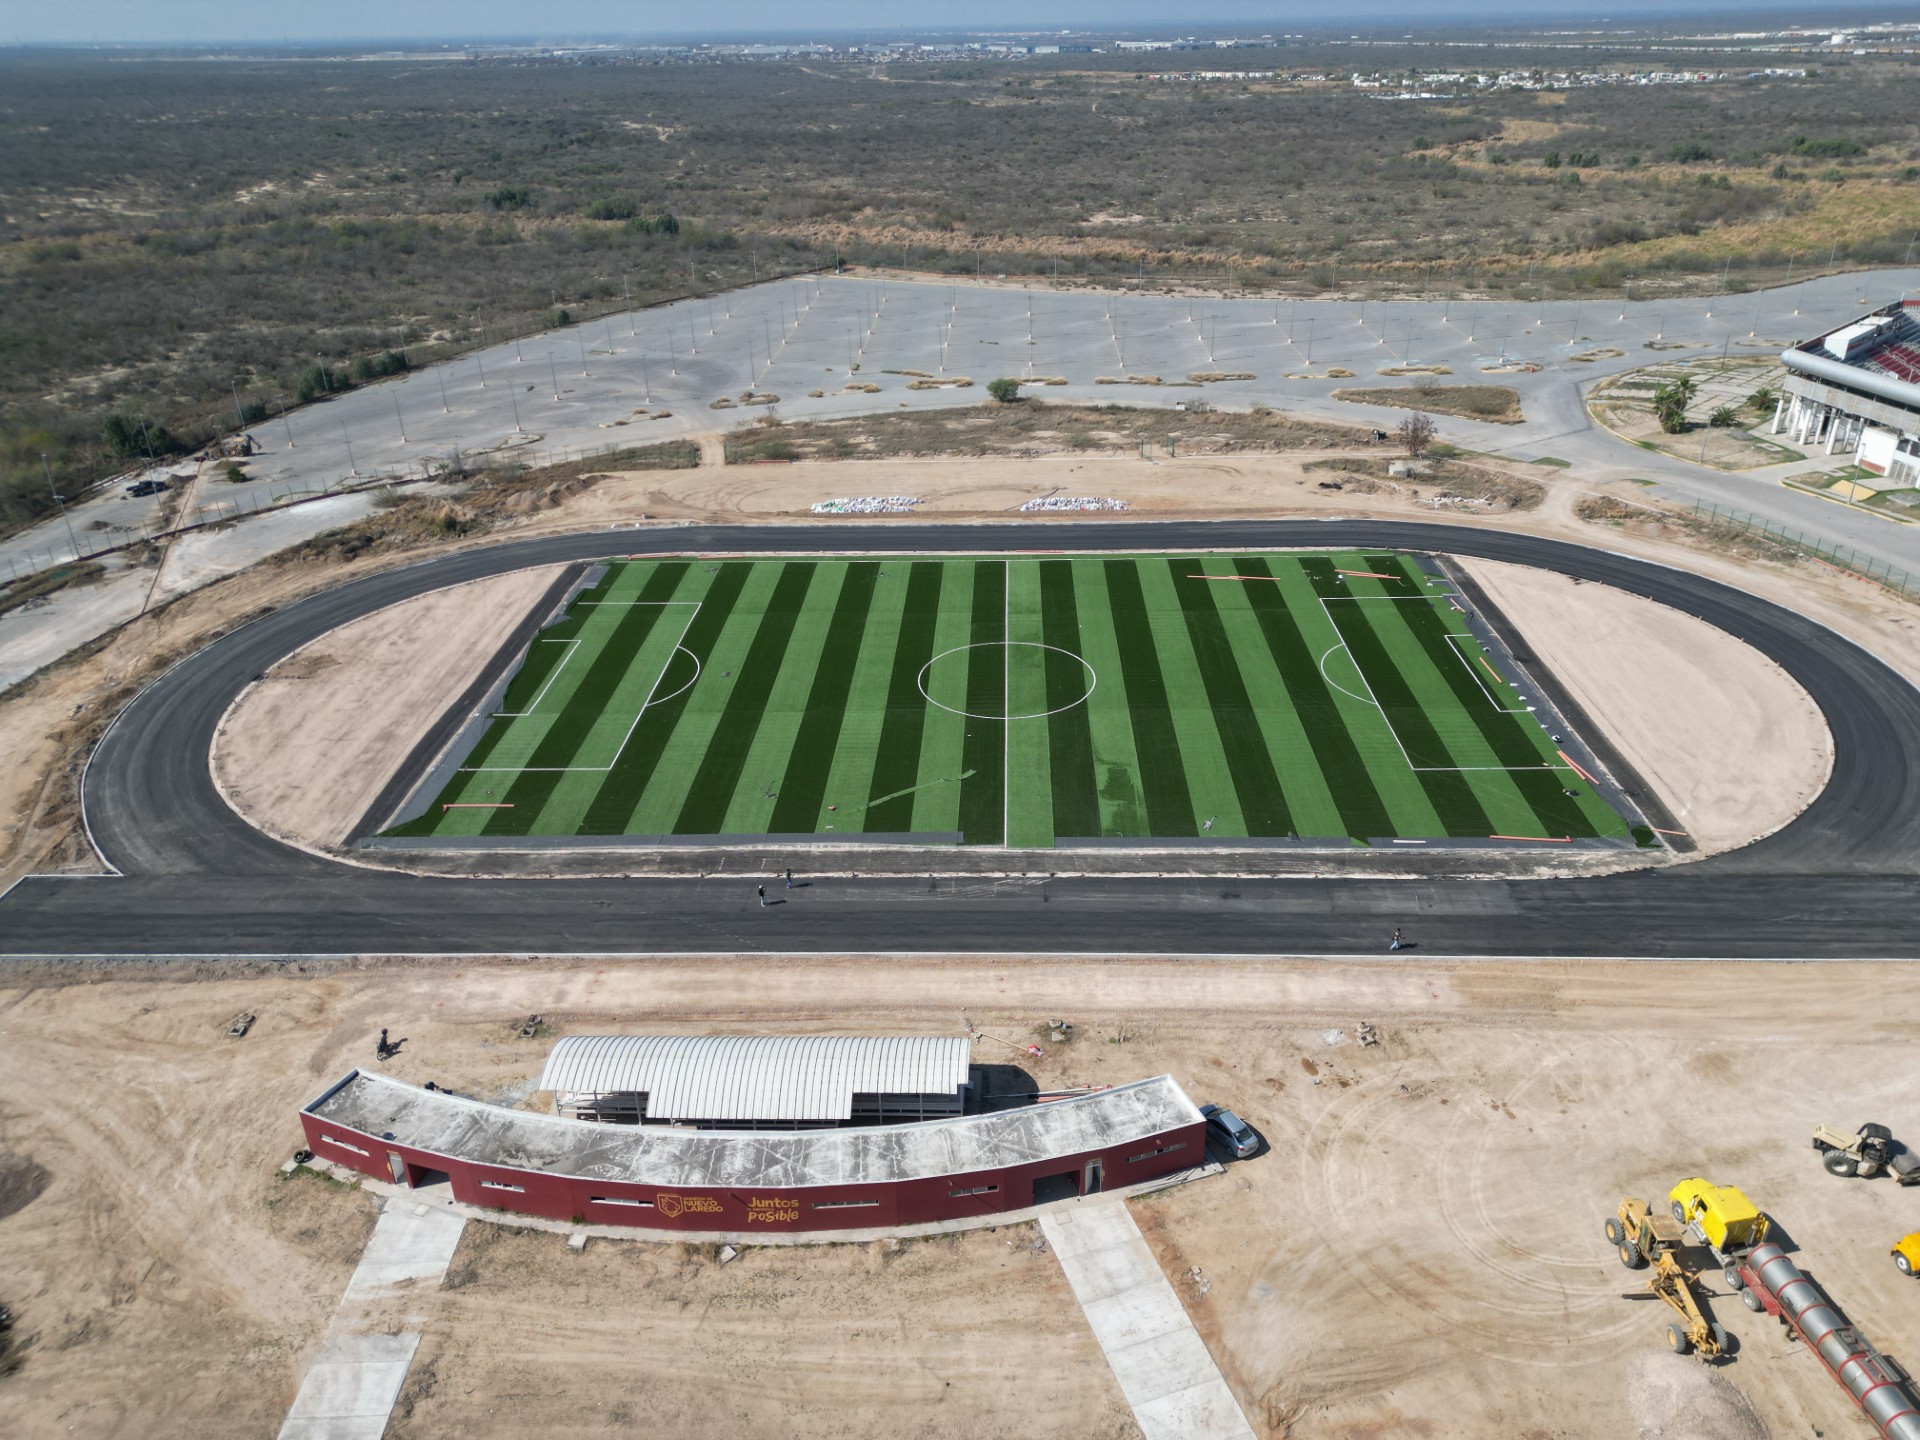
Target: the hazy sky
(192, 21)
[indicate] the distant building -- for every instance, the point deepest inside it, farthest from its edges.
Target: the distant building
(1857, 389)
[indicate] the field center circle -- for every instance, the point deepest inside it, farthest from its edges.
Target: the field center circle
(1093, 677)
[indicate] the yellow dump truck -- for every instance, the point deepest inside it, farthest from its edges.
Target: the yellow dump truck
(1726, 1220)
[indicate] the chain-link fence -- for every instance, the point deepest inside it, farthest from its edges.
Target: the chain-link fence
(1843, 557)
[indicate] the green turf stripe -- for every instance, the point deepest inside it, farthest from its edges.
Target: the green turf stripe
(757, 792)
(804, 785)
(726, 755)
(1169, 802)
(1029, 769)
(943, 735)
(982, 794)
(897, 765)
(1452, 797)
(1076, 799)
(1116, 764)
(1263, 806)
(613, 803)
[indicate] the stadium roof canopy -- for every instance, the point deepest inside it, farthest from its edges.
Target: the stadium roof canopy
(755, 1077)
(437, 1123)
(1877, 355)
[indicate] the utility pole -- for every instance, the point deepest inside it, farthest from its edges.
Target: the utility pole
(61, 500)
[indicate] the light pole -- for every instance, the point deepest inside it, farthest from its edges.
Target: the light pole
(61, 500)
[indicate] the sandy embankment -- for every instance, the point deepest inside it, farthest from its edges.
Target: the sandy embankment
(304, 751)
(1726, 738)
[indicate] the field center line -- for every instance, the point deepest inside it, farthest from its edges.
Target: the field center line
(534, 703)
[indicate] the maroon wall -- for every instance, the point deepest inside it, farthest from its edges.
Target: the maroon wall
(822, 1207)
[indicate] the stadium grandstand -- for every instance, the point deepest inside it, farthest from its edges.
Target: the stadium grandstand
(1856, 389)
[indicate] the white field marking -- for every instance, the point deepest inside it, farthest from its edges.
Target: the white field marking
(920, 681)
(1479, 679)
(1363, 699)
(1388, 720)
(534, 703)
(1006, 699)
(651, 700)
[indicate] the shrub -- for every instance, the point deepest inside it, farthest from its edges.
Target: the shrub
(616, 207)
(130, 436)
(1688, 152)
(509, 197)
(1836, 147)
(1724, 417)
(378, 367)
(1006, 389)
(1670, 404)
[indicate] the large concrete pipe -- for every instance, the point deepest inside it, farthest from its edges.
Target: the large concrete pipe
(1878, 1385)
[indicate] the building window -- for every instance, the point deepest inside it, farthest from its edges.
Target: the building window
(616, 1200)
(334, 1140)
(843, 1204)
(976, 1190)
(501, 1185)
(1163, 1150)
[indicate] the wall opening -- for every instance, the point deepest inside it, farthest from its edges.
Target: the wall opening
(1049, 1188)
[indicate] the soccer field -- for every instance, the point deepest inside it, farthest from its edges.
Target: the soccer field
(1026, 701)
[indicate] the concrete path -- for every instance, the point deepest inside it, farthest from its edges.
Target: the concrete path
(349, 1390)
(1158, 1357)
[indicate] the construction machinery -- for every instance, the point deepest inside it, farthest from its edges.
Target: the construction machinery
(1906, 1254)
(1725, 1220)
(1773, 1284)
(1867, 1152)
(1642, 1236)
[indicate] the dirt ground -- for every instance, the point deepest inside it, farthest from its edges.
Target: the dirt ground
(1725, 737)
(304, 751)
(1416, 1252)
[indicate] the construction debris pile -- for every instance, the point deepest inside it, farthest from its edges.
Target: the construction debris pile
(1073, 502)
(866, 505)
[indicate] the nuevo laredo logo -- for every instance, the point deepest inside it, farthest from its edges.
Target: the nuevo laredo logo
(672, 1205)
(771, 1210)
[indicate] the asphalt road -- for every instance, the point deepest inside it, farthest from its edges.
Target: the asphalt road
(1839, 882)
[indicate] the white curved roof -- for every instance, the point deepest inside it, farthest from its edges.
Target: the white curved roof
(755, 1077)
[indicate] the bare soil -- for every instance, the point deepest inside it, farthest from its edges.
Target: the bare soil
(1498, 404)
(1417, 1250)
(304, 750)
(1726, 738)
(1039, 427)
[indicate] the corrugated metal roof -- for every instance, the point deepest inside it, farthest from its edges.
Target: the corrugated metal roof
(443, 1124)
(756, 1077)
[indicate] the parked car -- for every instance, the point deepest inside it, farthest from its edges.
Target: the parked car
(141, 488)
(1231, 1131)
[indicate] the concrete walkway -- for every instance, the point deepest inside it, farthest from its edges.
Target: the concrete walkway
(349, 1390)
(1158, 1357)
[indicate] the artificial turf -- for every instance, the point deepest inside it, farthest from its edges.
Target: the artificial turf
(1023, 701)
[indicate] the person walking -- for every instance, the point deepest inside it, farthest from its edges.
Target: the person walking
(761, 890)
(789, 877)
(1399, 939)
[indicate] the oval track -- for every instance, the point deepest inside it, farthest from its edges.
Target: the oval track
(197, 879)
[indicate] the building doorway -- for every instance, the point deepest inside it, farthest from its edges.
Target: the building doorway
(397, 1168)
(1092, 1187)
(1049, 1188)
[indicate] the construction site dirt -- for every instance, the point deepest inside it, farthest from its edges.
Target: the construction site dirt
(1416, 1249)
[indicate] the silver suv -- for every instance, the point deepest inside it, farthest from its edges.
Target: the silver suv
(1231, 1131)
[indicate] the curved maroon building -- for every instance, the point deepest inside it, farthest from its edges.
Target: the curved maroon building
(746, 1181)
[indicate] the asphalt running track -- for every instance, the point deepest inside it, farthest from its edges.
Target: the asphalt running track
(196, 879)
